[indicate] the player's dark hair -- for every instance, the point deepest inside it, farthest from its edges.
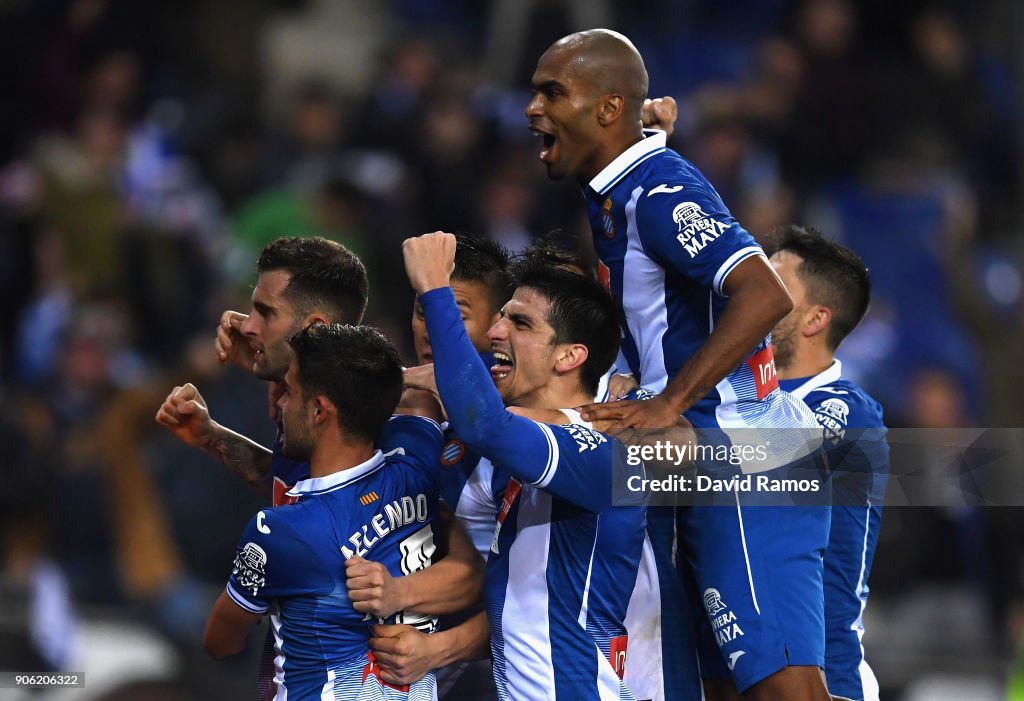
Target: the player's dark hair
(547, 251)
(325, 276)
(356, 368)
(479, 259)
(581, 312)
(834, 275)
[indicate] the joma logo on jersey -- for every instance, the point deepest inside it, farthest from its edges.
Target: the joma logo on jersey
(696, 228)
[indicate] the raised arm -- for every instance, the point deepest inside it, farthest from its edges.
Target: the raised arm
(574, 463)
(184, 413)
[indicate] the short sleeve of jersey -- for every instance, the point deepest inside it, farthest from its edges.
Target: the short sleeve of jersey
(844, 414)
(689, 230)
(272, 562)
(854, 440)
(418, 438)
(579, 465)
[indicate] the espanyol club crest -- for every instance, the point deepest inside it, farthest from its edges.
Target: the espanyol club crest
(452, 452)
(607, 220)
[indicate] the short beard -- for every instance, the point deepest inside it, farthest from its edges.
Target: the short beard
(782, 350)
(298, 453)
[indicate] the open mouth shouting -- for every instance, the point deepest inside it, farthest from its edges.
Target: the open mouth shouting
(548, 142)
(503, 365)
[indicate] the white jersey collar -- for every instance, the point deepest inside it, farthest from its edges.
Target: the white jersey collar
(832, 373)
(653, 142)
(337, 479)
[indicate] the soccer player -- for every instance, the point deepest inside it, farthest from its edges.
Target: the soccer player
(831, 291)
(699, 301)
(661, 664)
(563, 559)
(339, 392)
(480, 288)
(301, 281)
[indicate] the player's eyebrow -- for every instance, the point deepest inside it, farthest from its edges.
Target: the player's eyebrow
(520, 319)
(548, 85)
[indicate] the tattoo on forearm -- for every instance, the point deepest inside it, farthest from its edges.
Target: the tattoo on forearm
(243, 458)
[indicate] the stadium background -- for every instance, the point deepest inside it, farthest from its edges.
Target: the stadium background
(149, 149)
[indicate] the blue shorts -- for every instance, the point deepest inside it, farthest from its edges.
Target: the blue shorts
(754, 576)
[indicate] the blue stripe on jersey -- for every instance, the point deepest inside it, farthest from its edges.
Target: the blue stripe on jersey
(669, 247)
(678, 629)
(568, 567)
(859, 458)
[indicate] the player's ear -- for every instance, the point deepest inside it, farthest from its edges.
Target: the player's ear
(818, 321)
(611, 108)
(317, 317)
(321, 409)
(571, 356)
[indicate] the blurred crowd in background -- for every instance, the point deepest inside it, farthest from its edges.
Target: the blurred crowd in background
(149, 150)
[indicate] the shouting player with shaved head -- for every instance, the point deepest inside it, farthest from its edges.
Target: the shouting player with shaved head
(699, 301)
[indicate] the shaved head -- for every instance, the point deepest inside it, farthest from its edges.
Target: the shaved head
(588, 100)
(608, 61)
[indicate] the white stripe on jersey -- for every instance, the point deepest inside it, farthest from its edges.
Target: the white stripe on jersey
(643, 293)
(832, 374)
(240, 600)
(730, 263)
(868, 683)
(275, 627)
(476, 508)
(602, 385)
(529, 665)
(746, 555)
(552, 466)
(327, 692)
(644, 664)
(609, 686)
(788, 430)
(582, 619)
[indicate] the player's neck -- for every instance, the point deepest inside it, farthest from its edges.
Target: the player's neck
(556, 395)
(806, 361)
(609, 152)
(332, 455)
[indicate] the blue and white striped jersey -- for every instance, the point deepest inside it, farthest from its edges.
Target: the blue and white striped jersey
(667, 242)
(294, 556)
(466, 482)
(563, 560)
(859, 458)
(660, 661)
